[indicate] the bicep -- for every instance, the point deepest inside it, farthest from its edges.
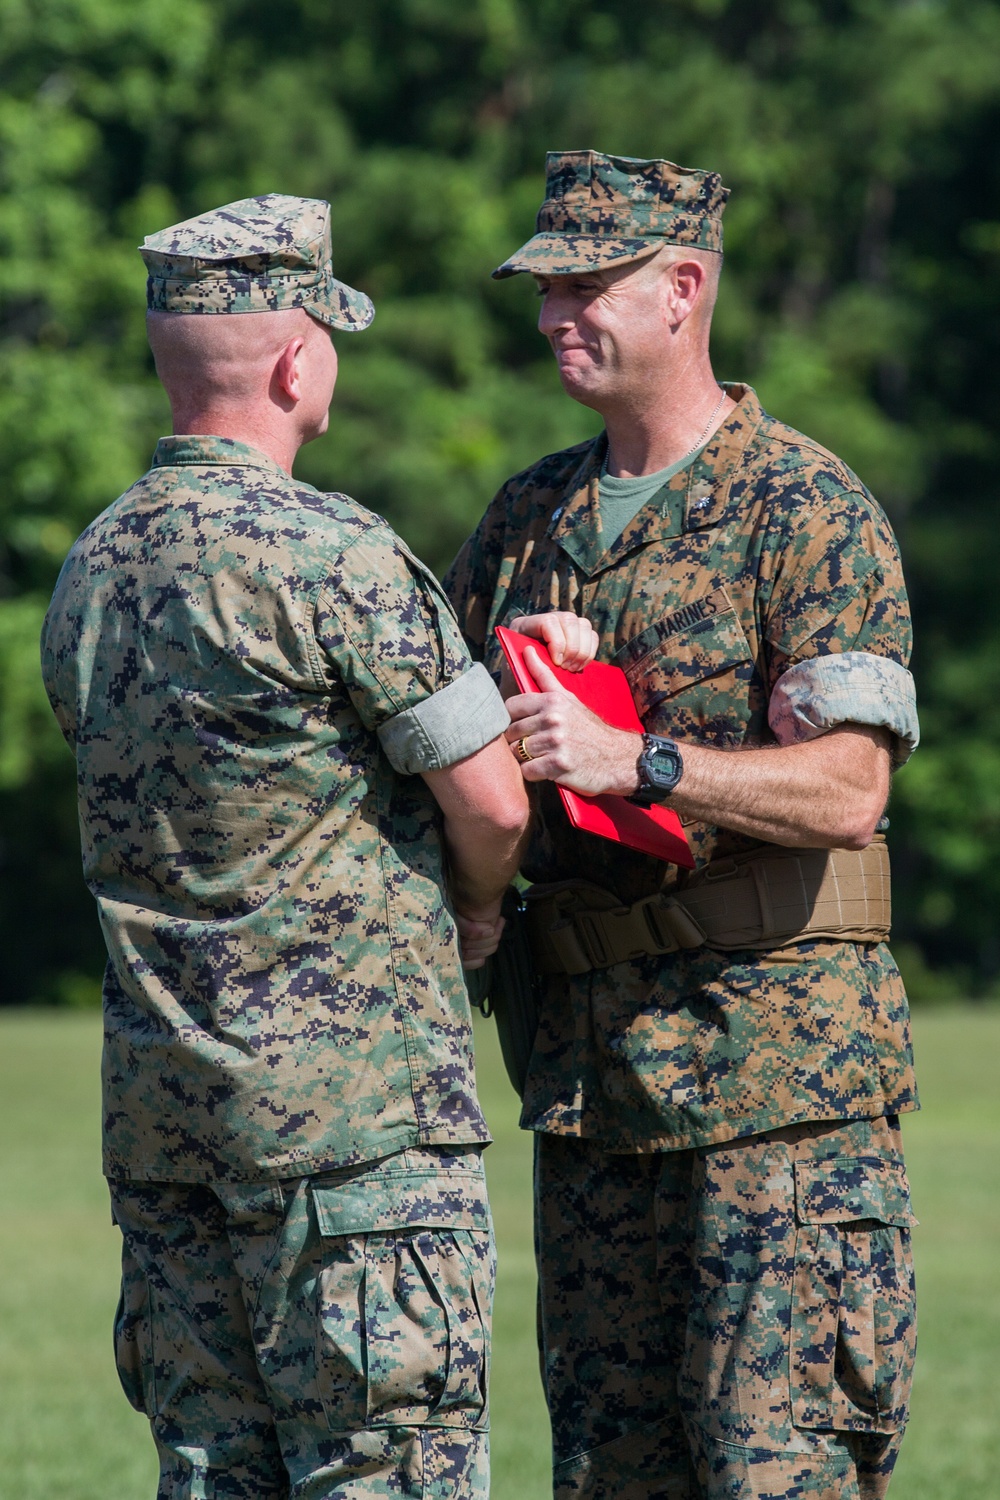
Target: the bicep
(833, 582)
(385, 630)
(838, 635)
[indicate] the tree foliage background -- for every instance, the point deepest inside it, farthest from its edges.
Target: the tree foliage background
(860, 297)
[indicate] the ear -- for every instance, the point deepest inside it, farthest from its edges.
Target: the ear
(685, 281)
(288, 370)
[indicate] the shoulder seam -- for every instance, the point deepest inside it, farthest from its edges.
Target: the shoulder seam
(812, 450)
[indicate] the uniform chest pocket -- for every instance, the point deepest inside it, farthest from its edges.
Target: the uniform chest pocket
(692, 674)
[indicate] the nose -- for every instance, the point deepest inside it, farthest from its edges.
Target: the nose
(555, 313)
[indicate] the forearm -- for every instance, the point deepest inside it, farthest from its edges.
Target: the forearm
(828, 793)
(485, 807)
(482, 860)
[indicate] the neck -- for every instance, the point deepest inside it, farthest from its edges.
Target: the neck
(277, 440)
(665, 423)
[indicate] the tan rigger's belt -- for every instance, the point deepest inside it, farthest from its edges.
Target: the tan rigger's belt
(766, 898)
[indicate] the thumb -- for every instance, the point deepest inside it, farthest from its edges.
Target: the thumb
(545, 679)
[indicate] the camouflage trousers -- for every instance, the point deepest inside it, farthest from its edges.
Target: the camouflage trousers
(733, 1323)
(320, 1337)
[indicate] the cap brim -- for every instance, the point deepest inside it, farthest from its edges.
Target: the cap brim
(341, 306)
(551, 254)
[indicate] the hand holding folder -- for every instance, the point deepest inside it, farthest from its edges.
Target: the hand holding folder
(605, 691)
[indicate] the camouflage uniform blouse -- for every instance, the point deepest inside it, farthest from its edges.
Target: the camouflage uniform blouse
(249, 673)
(758, 598)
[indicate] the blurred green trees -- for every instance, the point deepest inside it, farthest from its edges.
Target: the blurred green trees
(860, 298)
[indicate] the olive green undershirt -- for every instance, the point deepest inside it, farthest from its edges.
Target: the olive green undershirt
(621, 499)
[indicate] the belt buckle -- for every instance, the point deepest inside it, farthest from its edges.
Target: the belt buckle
(681, 929)
(588, 931)
(662, 938)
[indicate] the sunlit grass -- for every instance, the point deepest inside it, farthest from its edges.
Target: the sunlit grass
(66, 1432)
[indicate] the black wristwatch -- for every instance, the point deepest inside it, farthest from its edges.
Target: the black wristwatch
(660, 768)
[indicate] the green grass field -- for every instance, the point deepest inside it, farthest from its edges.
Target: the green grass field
(66, 1432)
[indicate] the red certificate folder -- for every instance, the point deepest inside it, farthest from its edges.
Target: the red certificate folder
(604, 690)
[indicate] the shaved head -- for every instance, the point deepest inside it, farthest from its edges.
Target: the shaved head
(206, 358)
(265, 378)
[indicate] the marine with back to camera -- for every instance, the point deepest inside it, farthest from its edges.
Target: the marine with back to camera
(282, 747)
(722, 1212)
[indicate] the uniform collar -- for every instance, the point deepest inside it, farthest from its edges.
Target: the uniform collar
(198, 448)
(692, 500)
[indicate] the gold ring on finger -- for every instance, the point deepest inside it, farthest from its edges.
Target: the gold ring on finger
(522, 752)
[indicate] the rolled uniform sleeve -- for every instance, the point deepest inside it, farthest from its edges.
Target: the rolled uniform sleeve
(854, 687)
(838, 628)
(384, 627)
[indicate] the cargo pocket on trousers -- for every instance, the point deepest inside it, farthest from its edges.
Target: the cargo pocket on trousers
(134, 1336)
(427, 1340)
(403, 1326)
(853, 1321)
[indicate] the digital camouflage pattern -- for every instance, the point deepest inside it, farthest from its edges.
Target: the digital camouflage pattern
(610, 210)
(363, 1369)
(765, 553)
(850, 687)
(283, 992)
(260, 254)
(735, 1323)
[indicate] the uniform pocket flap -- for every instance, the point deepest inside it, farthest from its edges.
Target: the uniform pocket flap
(377, 1202)
(698, 640)
(848, 1188)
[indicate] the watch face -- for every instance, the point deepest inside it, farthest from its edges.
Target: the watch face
(663, 765)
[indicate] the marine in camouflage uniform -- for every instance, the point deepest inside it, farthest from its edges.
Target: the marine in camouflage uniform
(722, 1212)
(255, 679)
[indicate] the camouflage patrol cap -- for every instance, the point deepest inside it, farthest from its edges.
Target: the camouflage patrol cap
(258, 255)
(608, 210)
